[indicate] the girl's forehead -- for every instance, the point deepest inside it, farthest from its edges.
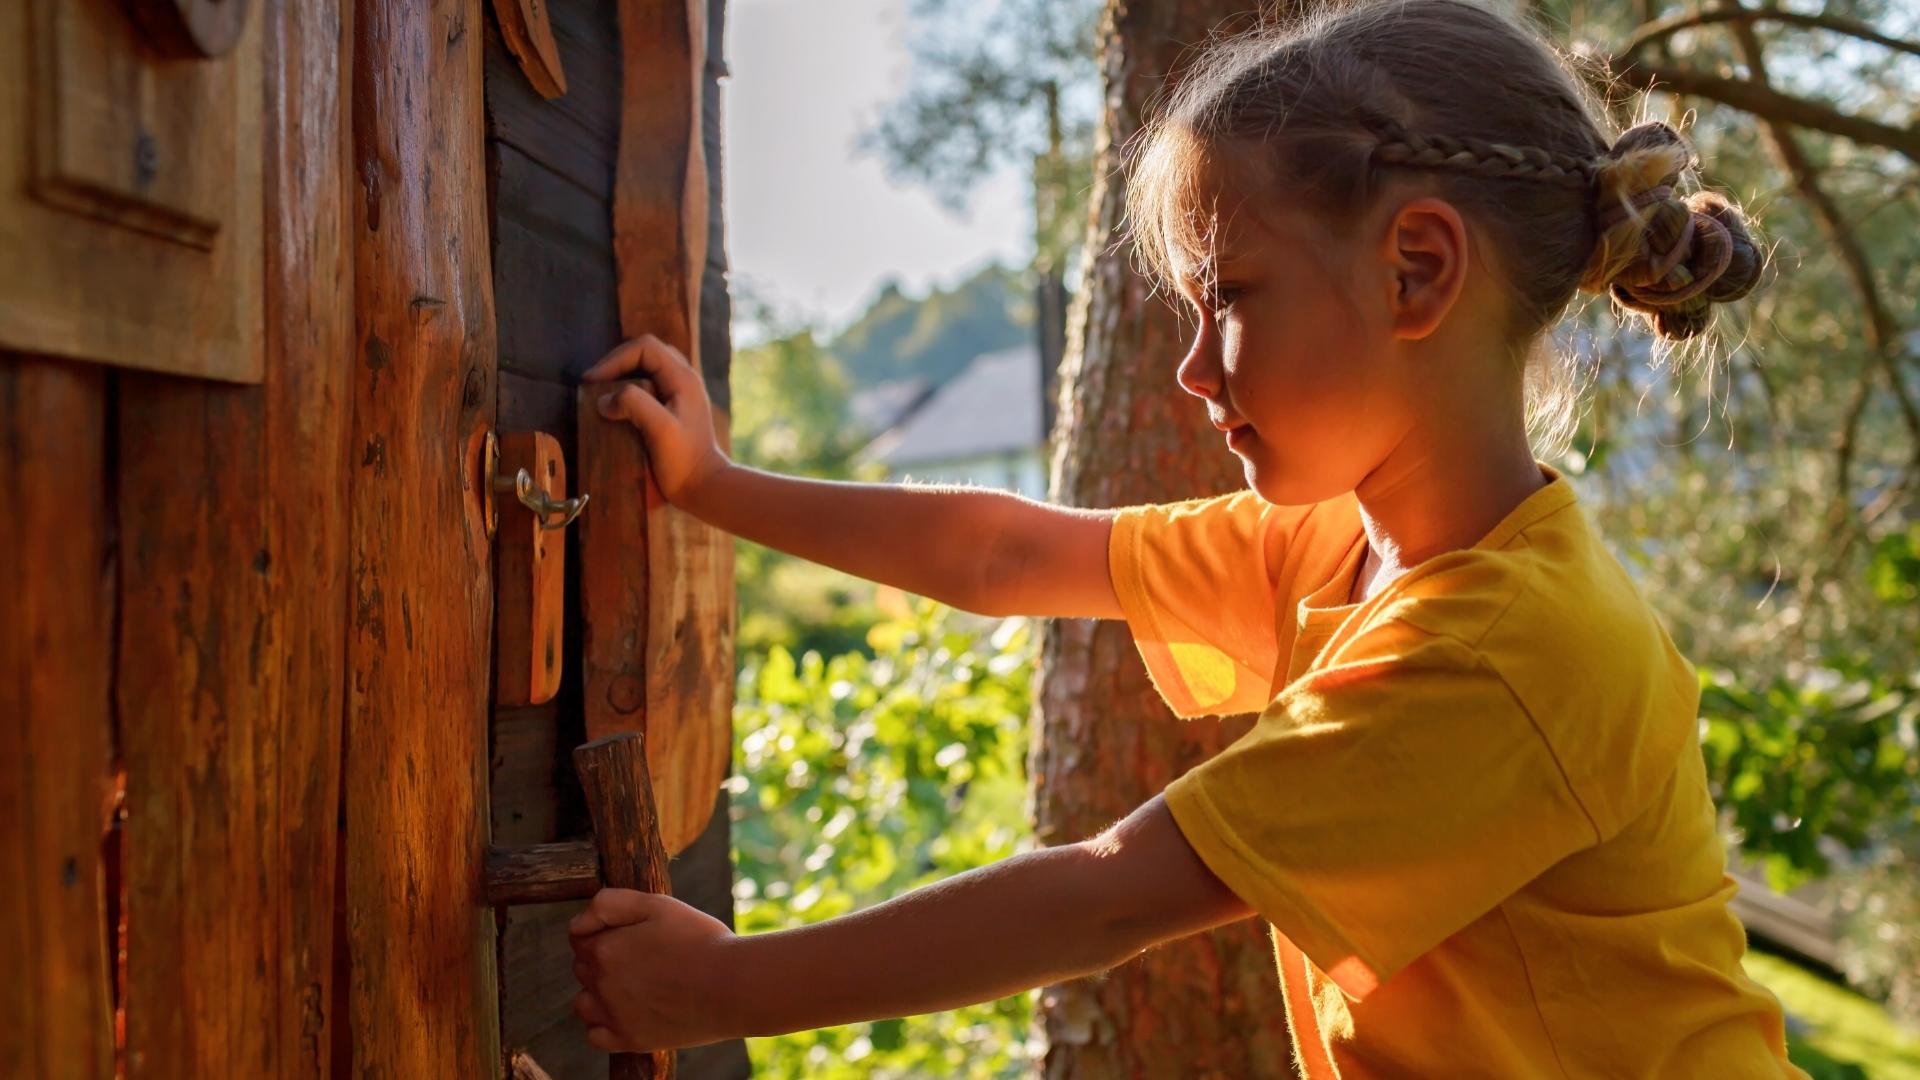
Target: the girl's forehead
(1235, 227)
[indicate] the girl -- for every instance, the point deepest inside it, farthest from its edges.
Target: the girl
(1473, 807)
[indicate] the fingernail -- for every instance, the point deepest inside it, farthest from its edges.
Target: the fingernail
(606, 405)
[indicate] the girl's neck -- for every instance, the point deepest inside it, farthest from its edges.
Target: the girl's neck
(1428, 499)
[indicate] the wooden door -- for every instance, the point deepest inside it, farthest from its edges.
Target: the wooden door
(552, 171)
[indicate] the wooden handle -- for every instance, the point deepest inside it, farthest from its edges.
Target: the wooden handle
(542, 873)
(626, 831)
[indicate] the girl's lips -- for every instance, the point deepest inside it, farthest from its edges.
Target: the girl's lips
(1239, 435)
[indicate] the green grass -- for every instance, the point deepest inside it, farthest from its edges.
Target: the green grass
(1851, 1036)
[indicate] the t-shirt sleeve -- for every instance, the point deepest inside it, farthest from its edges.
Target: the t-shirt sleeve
(1194, 580)
(1382, 804)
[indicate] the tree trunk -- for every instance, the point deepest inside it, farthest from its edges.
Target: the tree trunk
(1210, 1005)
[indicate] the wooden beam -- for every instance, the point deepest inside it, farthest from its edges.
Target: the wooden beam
(421, 937)
(543, 873)
(55, 644)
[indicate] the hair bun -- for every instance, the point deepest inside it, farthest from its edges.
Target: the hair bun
(1667, 256)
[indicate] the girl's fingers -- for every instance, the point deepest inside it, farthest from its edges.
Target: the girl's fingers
(670, 370)
(618, 360)
(589, 1009)
(610, 908)
(601, 1038)
(636, 405)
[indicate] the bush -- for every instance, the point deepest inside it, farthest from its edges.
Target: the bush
(863, 777)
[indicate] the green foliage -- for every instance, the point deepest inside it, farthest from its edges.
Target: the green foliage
(864, 777)
(1809, 766)
(790, 411)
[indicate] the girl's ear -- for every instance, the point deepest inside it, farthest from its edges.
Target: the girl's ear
(1426, 256)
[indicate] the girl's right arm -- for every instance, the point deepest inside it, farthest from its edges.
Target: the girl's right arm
(977, 549)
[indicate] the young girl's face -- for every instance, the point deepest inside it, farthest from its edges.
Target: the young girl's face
(1293, 349)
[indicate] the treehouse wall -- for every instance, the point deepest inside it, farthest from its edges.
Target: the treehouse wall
(248, 759)
(175, 574)
(551, 171)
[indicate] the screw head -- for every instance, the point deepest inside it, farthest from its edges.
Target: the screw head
(146, 159)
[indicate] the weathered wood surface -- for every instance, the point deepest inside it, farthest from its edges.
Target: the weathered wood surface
(523, 23)
(135, 183)
(55, 723)
(529, 570)
(1208, 1005)
(421, 939)
(543, 873)
(572, 136)
(232, 620)
(615, 581)
(626, 832)
(660, 236)
(631, 682)
(553, 270)
(555, 293)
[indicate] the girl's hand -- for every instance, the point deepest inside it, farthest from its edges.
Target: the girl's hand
(655, 973)
(673, 414)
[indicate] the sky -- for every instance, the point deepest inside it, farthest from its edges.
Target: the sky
(814, 225)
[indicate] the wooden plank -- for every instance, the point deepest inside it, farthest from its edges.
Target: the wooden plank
(614, 584)
(55, 655)
(573, 136)
(543, 873)
(631, 680)
(529, 567)
(660, 234)
(421, 939)
(231, 673)
(529, 36)
(553, 272)
(530, 756)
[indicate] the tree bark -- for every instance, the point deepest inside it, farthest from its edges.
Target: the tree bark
(1210, 1005)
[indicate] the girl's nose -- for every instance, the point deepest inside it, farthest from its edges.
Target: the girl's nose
(1199, 373)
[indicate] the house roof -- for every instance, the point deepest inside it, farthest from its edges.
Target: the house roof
(878, 407)
(992, 406)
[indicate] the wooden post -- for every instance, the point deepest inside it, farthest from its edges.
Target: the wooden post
(422, 942)
(232, 664)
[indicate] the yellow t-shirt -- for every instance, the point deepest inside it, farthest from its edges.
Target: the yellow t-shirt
(1473, 808)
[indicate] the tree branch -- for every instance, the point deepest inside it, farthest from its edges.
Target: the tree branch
(1763, 101)
(1661, 29)
(1883, 332)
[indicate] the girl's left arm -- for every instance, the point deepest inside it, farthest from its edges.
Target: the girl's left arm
(658, 974)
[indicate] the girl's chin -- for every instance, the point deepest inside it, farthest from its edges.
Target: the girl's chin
(1284, 487)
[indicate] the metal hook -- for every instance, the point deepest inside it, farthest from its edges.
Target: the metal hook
(543, 505)
(540, 502)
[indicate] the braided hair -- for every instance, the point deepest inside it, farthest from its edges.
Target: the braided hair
(1333, 104)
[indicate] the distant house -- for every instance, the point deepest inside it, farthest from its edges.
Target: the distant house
(983, 426)
(874, 409)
